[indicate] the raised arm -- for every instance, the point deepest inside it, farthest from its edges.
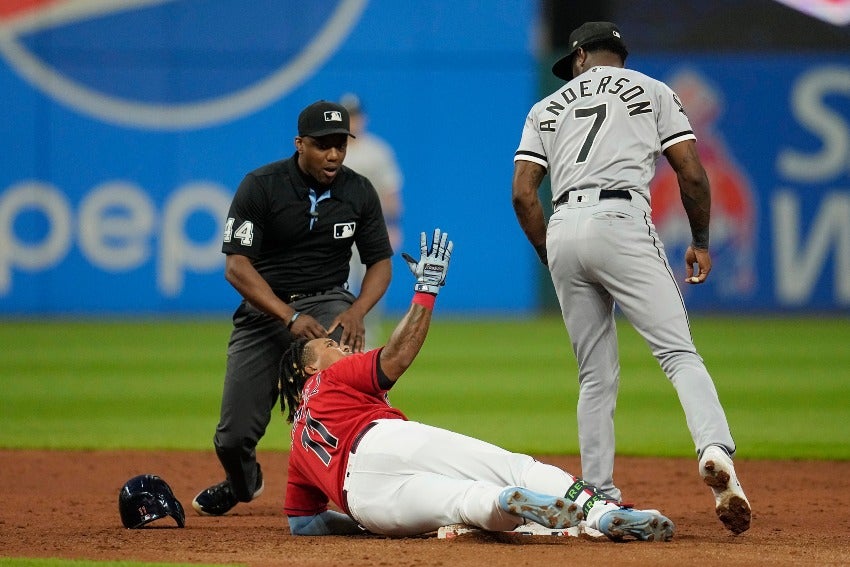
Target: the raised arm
(409, 335)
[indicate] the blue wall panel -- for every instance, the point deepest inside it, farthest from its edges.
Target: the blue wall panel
(126, 129)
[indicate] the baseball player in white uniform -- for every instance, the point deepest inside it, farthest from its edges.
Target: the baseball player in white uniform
(598, 137)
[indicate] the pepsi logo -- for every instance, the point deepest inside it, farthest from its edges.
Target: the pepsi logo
(171, 64)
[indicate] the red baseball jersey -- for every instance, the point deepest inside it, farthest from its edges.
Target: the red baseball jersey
(335, 405)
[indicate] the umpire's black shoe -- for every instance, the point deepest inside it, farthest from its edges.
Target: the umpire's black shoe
(218, 500)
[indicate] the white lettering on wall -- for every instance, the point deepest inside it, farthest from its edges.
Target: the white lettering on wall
(32, 196)
(116, 220)
(809, 106)
(117, 229)
(178, 253)
(800, 259)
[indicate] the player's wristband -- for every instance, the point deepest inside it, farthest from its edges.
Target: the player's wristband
(292, 320)
(700, 239)
(542, 254)
(426, 300)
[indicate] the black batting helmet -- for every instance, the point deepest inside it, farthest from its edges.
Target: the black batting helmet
(146, 498)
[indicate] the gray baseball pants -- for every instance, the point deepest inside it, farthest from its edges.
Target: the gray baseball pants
(603, 252)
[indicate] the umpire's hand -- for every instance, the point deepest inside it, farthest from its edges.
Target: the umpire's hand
(353, 330)
(307, 327)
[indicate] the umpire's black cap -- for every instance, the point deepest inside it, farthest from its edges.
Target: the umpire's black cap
(323, 118)
(587, 33)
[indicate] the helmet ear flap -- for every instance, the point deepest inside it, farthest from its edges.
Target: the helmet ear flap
(146, 498)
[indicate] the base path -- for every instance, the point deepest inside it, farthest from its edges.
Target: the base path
(65, 504)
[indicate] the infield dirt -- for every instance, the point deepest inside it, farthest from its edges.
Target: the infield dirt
(64, 504)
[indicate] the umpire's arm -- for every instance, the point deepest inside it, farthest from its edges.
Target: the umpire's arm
(239, 271)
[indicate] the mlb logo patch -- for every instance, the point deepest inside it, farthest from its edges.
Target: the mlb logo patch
(333, 116)
(344, 229)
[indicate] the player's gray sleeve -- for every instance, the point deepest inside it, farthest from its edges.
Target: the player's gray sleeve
(673, 123)
(531, 144)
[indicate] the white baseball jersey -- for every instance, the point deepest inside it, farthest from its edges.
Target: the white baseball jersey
(604, 129)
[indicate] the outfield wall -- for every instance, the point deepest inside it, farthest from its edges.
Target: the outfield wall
(127, 128)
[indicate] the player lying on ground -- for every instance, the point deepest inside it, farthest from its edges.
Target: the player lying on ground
(397, 477)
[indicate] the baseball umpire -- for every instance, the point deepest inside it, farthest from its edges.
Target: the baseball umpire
(598, 137)
(288, 240)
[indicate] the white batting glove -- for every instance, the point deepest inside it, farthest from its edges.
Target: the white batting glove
(431, 268)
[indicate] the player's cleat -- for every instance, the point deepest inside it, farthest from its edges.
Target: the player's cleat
(645, 525)
(549, 511)
(218, 500)
(732, 506)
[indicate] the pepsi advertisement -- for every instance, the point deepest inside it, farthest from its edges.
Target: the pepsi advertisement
(127, 126)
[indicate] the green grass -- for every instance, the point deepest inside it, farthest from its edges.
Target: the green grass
(110, 385)
(784, 382)
(785, 385)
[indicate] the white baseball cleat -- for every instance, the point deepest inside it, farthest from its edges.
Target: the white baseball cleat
(717, 471)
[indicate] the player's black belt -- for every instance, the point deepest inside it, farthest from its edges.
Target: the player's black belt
(603, 194)
(359, 437)
(289, 297)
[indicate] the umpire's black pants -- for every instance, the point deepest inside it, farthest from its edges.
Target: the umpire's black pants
(251, 390)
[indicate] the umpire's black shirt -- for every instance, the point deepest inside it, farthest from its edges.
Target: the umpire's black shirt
(270, 222)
